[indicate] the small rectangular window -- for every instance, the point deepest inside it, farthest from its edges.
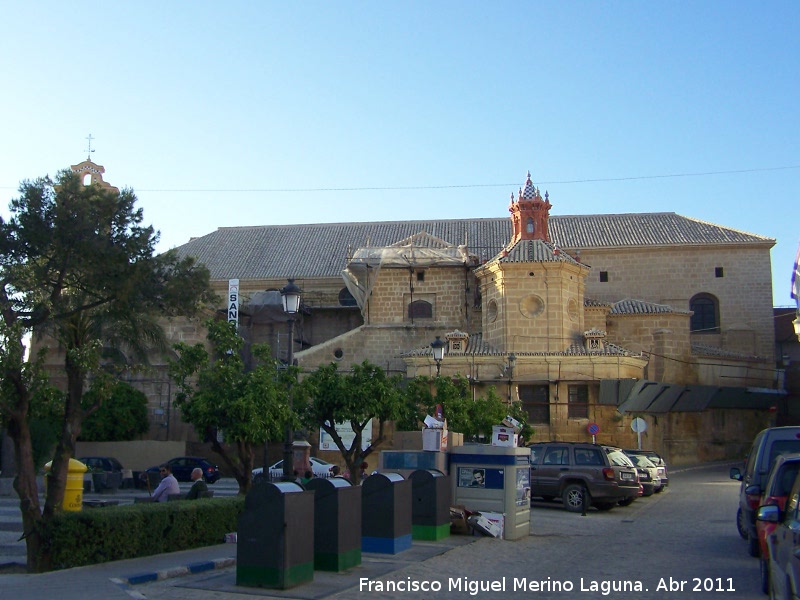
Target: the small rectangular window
(718, 272)
(420, 275)
(578, 402)
(603, 276)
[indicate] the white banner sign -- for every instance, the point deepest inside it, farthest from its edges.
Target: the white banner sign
(345, 432)
(233, 301)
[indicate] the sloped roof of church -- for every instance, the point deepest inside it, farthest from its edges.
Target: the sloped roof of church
(321, 250)
(478, 347)
(640, 307)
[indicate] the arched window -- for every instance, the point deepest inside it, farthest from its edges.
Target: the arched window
(346, 298)
(420, 309)
(706, 314)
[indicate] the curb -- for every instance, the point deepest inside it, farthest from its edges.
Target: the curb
(190, 569)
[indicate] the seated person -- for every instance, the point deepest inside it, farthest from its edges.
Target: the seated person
(199, 488)
(169, 485)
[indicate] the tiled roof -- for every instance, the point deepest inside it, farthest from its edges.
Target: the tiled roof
(321, 250)
(714, 351)
(525, 251)
(592, 303)
(640, 307)
(476, 346)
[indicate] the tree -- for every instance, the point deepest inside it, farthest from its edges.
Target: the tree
(69, 255)
(218, 393)
(472, 416)
(123, 417)
(356, 398)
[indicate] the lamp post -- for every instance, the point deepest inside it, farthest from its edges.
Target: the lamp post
(512, 362)
(290, 295)
(437, 346)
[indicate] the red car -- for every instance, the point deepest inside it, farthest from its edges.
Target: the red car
(779, 483)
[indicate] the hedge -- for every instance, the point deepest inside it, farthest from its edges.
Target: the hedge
(99, 535)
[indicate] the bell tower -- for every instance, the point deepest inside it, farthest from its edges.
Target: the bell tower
(529, 214)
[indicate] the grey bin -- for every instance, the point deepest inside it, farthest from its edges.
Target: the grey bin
(430, 504)
(275, 546)
(385, 513)
(337, 524)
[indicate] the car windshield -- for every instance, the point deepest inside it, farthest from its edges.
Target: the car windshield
(619, 458)
(642, 461)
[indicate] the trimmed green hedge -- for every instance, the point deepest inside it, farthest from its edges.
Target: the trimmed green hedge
(98, 535)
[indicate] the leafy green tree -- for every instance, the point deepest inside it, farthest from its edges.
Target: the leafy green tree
(366, 392)
(122, 417)
(218, 393)
(69, 251)
(472, 416)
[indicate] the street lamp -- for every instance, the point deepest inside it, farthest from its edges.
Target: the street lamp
(437, 346)
(290, 295)
(512, 362)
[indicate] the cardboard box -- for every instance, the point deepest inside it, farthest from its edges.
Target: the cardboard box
(434, 440)
(458, 521)
(504, 436)
(510, 421)
(434, 423)
(484, 525)
(498, 519)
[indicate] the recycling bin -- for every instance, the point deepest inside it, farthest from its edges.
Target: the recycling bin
(494, 480)
(73, 493)
(337, 524)
(385, 513)
(430, 505)
(275, 546)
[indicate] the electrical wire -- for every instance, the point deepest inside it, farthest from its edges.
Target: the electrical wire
(456, 186)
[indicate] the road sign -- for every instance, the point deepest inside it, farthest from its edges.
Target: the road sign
(639, 425)
(593, 428)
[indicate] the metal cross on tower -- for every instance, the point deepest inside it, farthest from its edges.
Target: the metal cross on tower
(89, 150)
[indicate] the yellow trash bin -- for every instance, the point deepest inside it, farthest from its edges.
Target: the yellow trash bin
(73, 494)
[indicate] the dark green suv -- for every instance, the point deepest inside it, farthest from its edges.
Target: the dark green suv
(571, 470)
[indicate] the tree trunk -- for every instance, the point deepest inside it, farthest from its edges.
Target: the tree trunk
(25, 486)
(65, 449)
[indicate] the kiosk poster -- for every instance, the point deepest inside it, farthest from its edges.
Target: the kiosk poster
(523, 487)
(480, 477)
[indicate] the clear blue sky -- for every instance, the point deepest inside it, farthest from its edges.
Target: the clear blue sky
(215, 98)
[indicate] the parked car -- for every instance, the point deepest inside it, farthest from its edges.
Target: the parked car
(106, 464)
(657, 460)
(767, 445)
(569, 470)
(319, 467)
(779, 483)
(783, 545)
(648, 474)
(183, 466)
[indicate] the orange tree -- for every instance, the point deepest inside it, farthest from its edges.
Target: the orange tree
(355, 397)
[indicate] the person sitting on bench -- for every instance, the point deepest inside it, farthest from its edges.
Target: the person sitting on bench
(199, 488)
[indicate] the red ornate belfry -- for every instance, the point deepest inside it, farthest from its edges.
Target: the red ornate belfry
(529, 214)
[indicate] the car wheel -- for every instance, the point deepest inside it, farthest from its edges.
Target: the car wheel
(764, 575)
(740, 526)
(603, 505)
(573, 498)
(659, 489)
(752, 546)
(627, 501)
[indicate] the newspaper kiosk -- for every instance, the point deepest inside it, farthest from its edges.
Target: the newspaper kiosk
(494, 480)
